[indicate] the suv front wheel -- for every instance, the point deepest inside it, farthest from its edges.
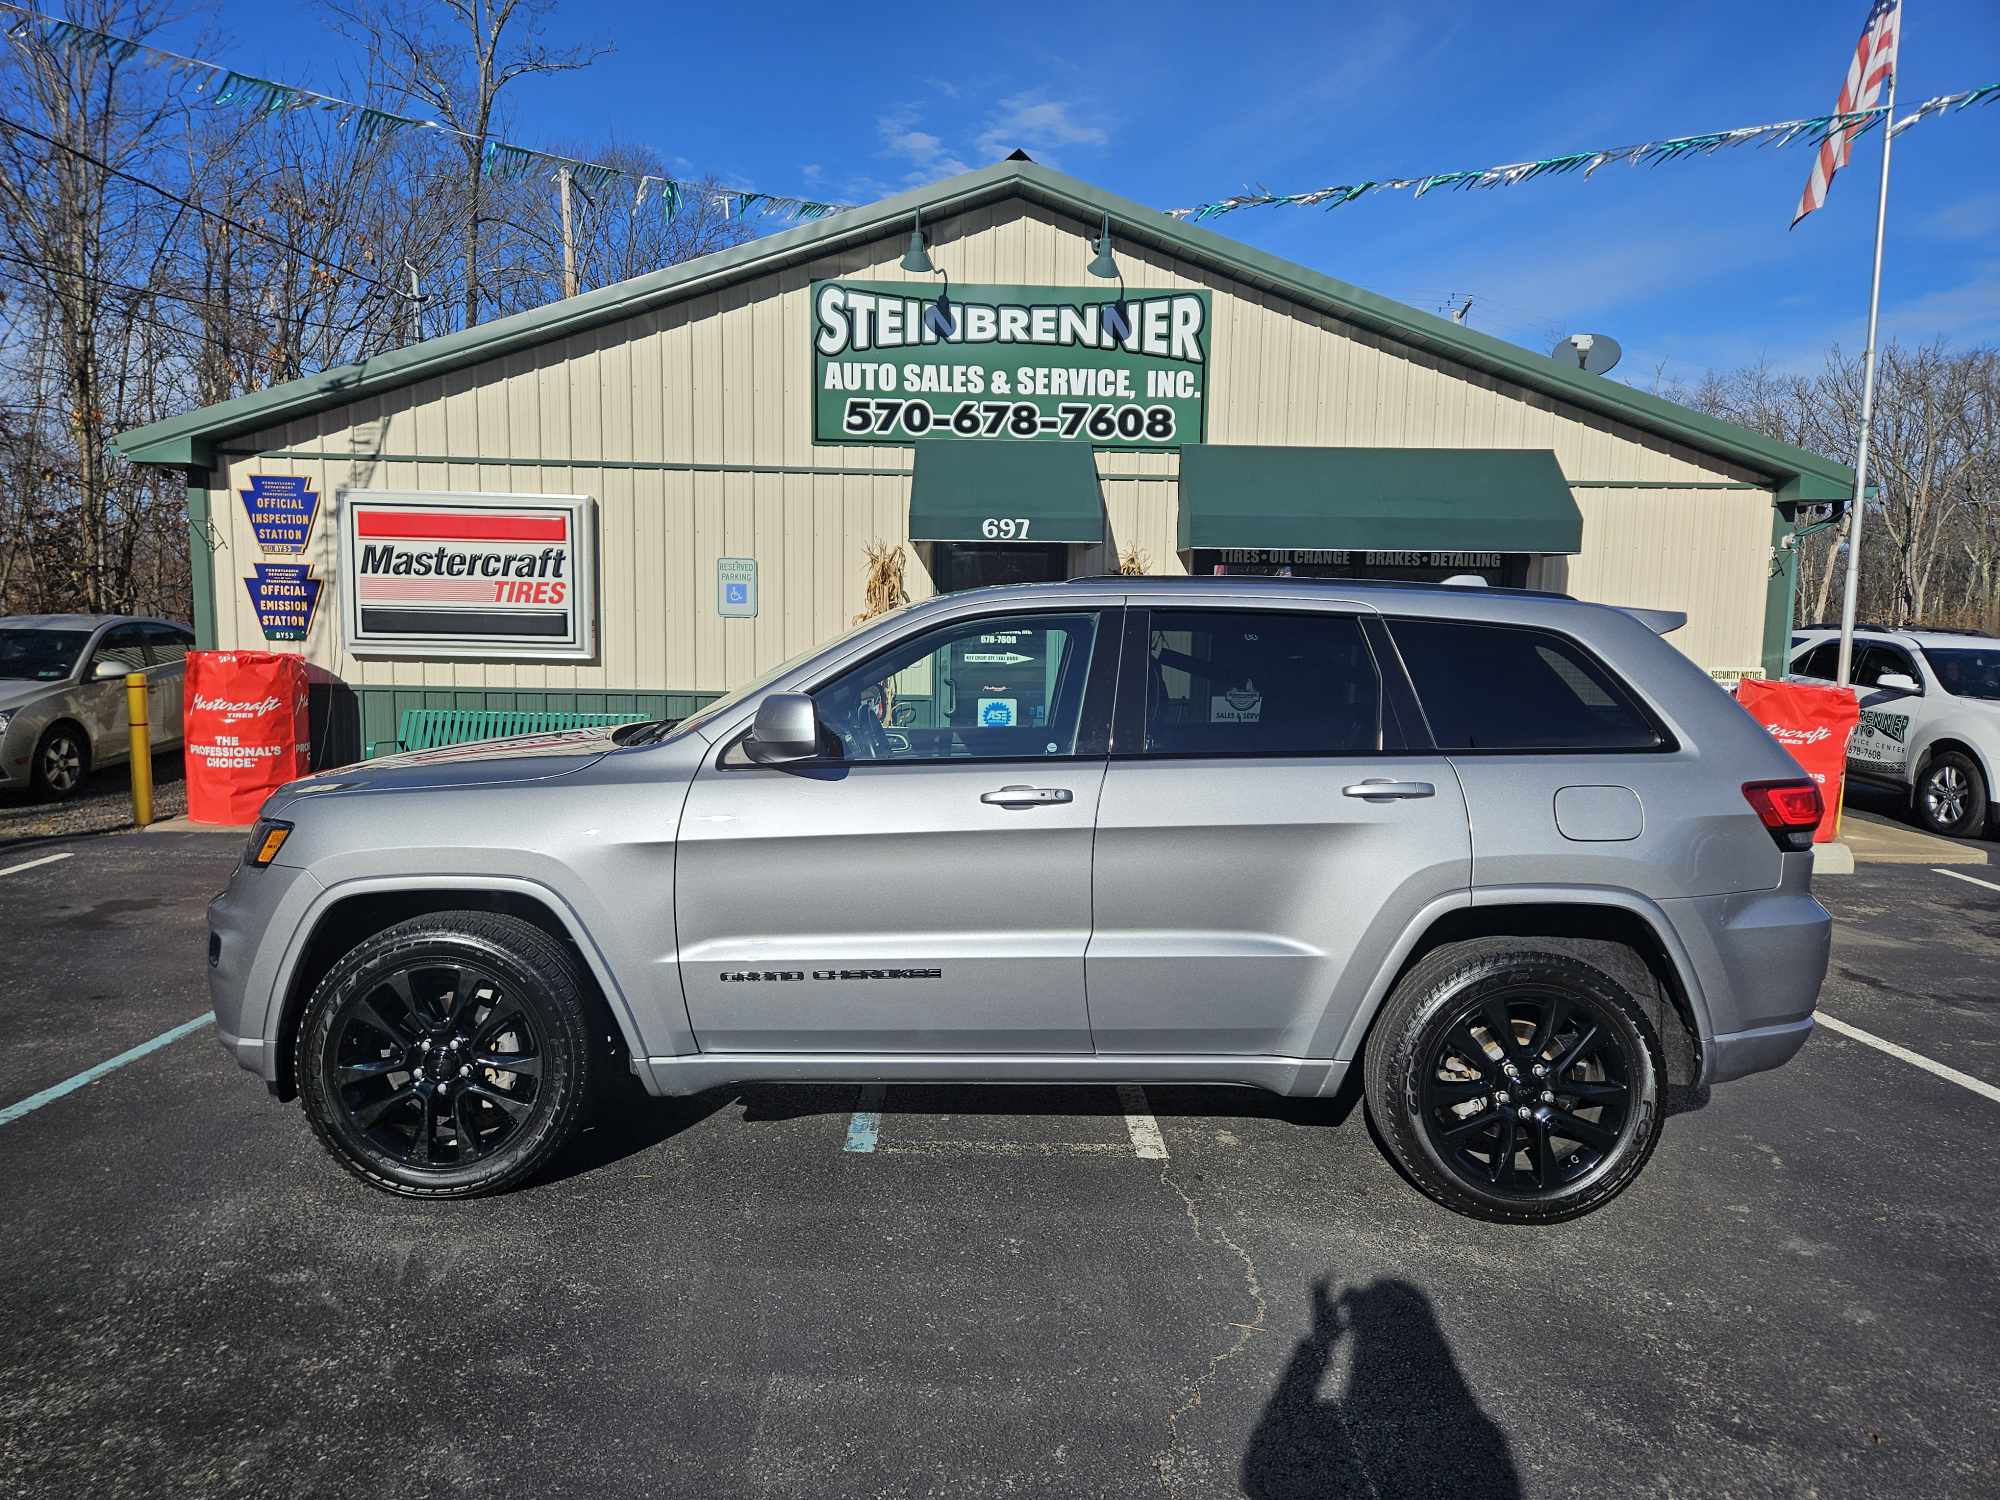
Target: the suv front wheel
(447, 1056)
(1517, 1080)
(1951, 796)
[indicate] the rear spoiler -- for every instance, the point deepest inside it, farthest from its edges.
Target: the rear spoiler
(1659, 621)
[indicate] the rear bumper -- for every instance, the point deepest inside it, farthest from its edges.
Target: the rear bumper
(1760, 958)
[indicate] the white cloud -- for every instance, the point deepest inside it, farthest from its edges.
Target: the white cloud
(1977, 217)
(928, 156)
(1036, 123)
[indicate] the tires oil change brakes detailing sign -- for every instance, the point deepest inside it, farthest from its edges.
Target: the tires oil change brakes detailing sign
(468, 574)
(894, 362)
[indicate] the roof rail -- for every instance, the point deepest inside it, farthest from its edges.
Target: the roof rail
(1189, 580)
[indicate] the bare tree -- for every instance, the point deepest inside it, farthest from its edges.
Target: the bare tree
(458, 57)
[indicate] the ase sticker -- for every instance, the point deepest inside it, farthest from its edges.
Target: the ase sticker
(996, 713)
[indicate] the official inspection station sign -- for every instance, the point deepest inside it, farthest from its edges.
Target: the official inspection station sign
(280, 509)
(893, 362)
(468, 575)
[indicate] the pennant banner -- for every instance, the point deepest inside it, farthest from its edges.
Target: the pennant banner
(1813, 130)
(499, 160)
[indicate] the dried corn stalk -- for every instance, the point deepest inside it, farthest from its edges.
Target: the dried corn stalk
(882, 585)
(1133, 561)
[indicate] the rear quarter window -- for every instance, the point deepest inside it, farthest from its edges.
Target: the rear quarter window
(1515, 688)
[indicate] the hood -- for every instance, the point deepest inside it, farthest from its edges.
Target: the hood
(19, 692)
(527, 757)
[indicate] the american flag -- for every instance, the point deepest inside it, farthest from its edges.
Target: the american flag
(1874, 60)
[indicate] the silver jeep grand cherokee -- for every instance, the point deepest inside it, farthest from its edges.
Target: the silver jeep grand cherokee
(1510, 855)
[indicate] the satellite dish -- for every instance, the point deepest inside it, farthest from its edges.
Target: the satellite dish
(1592, 353)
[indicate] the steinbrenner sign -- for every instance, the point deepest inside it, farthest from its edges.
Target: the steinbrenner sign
(468, 575)
(895, 363)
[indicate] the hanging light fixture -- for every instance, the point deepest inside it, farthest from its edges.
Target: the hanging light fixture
(1105, 265)
(917, 258)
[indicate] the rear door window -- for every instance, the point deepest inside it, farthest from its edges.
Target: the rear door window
(1247, 682)
(1514, 688)
(1820, 663)
(124, 644)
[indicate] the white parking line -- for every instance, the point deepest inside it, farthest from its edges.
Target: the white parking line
(49, 859)
(1147, 1142)
(49, 1095)
(1915, 1059)
(1935, 870)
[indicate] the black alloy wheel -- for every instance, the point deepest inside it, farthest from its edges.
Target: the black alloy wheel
(1527, 1090)
(436, 1064)
(447, 1056)
(1519, 1079)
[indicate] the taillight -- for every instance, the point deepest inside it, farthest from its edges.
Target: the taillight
(1791, 810)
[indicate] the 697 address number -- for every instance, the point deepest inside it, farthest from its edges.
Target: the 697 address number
(1102, 422)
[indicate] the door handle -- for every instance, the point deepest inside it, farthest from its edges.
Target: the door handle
(1379, 789)
(1026, 796)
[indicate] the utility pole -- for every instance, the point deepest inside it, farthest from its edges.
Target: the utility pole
(569, 236)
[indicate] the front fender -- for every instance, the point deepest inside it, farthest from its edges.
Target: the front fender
(329, 896)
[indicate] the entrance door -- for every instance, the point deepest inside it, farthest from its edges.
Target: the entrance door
(1248, 883)
(925, 886)
(975, 565)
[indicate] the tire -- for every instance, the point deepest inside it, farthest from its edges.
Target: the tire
(1951, 796)
(1434, 1077)
(62, 761)
(480, 990)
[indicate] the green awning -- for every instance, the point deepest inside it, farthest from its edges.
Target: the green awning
(1027, 491)
(1377, 499)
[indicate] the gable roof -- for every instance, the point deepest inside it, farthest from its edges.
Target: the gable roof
(188, 440)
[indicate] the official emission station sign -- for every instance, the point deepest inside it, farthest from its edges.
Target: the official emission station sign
(470, 575)
(895, 363)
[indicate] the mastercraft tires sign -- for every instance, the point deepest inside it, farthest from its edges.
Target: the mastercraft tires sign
(895, 362)
(468, 575)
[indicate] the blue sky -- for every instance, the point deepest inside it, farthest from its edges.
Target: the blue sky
(1689, 266)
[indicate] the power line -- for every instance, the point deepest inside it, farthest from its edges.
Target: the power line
(9, 123)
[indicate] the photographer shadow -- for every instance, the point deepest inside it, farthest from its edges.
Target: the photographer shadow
(1407, 1424)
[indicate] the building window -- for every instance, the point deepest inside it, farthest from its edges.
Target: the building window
(977, 565)
(1501, 569)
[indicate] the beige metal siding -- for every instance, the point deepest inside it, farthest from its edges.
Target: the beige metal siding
(724, 381)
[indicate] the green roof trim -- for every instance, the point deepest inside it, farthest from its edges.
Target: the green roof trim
(1378, 499)
(970, 490)
(179, 439)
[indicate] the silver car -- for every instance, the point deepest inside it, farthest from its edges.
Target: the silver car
(1507, 860)
(62, 694)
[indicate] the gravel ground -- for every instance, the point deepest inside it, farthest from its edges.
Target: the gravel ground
(103, 806)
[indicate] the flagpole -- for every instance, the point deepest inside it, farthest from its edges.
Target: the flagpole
(1847, 602)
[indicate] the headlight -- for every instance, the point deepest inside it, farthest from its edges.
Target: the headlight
(6, 718)
(267, 837)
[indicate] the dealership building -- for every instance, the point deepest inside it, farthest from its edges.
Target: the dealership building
(638, 498)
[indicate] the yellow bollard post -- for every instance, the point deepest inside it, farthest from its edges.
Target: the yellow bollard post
(142, 749)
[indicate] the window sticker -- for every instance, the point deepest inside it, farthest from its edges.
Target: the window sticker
(997, 713)
(1240, 705)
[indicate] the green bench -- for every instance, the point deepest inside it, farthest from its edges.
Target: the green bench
(433, 728)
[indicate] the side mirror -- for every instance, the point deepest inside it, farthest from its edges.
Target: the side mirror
(1898, 682)
(786, 730)
(106, 669)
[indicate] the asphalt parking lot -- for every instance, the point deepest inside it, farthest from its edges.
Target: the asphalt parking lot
(809, 1291)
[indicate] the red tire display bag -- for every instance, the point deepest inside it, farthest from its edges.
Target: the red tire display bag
(1814, 723)
(247, 731)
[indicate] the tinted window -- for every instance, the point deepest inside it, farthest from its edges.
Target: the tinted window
(1501, 687)
(40, 655)
(1966, 671)
(122, 644)
(1008, 686)
(1240, 682)
(1822, 662)
(168, 644)
(1874, 661)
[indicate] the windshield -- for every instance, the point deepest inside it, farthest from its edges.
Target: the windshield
(728, 701)
(1966, 671)
(40, 655)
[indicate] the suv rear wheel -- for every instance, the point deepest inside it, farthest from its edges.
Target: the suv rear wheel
(1951, 796)
(447, 1056)
(1517, 1080)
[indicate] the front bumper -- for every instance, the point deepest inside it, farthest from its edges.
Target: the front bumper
(250, 928)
